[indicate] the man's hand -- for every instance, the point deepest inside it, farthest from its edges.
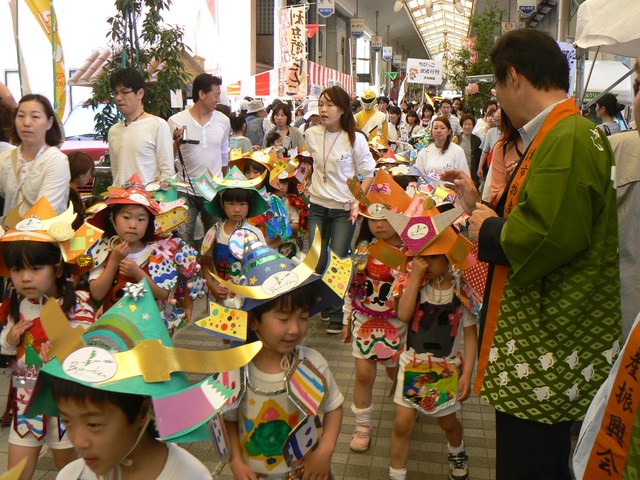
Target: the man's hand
(464, 187)
(355, 211)
(479, 215)
(177, 134)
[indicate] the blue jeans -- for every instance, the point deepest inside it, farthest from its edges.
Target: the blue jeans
(337, 232)
(196, 207)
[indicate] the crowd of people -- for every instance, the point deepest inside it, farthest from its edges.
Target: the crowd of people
(372, 215)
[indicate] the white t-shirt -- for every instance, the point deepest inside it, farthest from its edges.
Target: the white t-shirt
(144, 147)
(180, 465)
(213, 150)
(490, 139)
(47, 176)
(431, 159)
(334, 162)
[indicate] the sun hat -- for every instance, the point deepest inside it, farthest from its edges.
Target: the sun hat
(42, 224)
(129, 350)
(255, 106)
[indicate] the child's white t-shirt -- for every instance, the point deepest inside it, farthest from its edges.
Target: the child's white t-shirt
(179, 464)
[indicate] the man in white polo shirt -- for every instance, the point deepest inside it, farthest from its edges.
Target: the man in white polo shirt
(205, 146)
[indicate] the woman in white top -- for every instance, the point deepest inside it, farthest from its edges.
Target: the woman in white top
(396, 125)
(37, 168)
(442, 154)
(339, 153)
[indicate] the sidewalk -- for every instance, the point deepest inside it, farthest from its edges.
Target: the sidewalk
(428, 457)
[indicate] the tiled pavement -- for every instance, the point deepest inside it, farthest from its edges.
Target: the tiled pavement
(428, 457)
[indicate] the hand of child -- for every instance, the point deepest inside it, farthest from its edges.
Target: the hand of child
(241, 471)
(345, 336)
(120, 252)
(464, 387)
(317, 464)
(130, 268)
(218, 291)
(419, 267)
(45, 348)
(17, 330)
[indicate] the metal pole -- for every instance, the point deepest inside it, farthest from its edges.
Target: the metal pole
(387, 79)
(563, 20)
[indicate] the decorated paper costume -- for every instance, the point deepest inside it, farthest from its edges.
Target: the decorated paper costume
(278, 414)
(551, 326)
(41, 224)
(170, 262)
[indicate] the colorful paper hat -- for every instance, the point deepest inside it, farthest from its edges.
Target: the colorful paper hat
(384, 193)
(167, 215)
(267, 274)
(42, 224)
(265, 156)
(128, 350)
(234, 179)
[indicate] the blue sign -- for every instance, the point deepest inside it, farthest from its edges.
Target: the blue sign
(326, 8)
(527, 10)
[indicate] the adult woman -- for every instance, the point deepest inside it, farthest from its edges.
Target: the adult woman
(291, 136)
(37, 168)
(506, 154)
(413, 125)
(395, 124)
(470, 143)
(608, 107)
(441, 155)
(339, 154)
(427, 115)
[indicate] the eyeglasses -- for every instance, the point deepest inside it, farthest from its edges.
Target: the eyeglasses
(121, 93)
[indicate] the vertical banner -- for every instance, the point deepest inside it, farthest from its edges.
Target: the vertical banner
(396, 60)
(376, 43)
(326, 8)
(293, 53)
(43, 11)
(25, 88)
(357, 27)
(387, 53)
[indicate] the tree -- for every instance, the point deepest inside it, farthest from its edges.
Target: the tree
(156, 44)
(486, 26)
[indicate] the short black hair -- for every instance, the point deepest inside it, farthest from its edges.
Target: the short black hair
(284, 108)
(204, 82)
(127, 77)
(234, 195)
(53, 137)
(446, 100)
(533, 54)
(383, 99)
(110, 229)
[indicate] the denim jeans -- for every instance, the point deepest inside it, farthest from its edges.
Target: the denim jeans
(196, 207)
(337, 232)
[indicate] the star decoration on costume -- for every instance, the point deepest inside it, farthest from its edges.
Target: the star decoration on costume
(283, 265)
(253, 280)
(267, 269)
(145, 316)
(134, 290)
(133, 308)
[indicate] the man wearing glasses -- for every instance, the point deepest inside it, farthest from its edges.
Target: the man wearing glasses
(142, 142)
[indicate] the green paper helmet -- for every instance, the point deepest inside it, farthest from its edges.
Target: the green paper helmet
(236, 179)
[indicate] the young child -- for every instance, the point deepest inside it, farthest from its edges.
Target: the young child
(82, 169)
(275, 431)
(236, 198)
(32, 256)
(132, 249)
(432, 377)
(370, 323)
(112, 424)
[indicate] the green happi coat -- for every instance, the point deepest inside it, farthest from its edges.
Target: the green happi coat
(558, 327)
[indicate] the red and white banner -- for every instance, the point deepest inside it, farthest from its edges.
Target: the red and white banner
(320, 77)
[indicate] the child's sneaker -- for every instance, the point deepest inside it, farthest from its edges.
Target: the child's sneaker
(360, 438)
(458, 466)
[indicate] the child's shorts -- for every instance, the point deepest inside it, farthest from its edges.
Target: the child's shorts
(51, 438)
(373, 339)
(410, 362)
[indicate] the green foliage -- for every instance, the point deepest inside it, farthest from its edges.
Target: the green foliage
(486, 25)
(156, 42)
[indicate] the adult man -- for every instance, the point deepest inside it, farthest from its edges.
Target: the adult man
(383, 105)
(551, 315)
(255, 115)
(207, 148)
(371, 121)
(446, 107)
(457, 106)
(142, 142)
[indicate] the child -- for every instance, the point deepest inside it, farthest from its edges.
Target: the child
(131, 249)
(112, 424)
(235, 199)
(428, 368)
(238, 138)
(370, 322)
(32, 256)
(82, 169)
(275, 430)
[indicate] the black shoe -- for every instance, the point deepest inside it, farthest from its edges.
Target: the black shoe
(325, 315)
(334, 328)
(458, 469)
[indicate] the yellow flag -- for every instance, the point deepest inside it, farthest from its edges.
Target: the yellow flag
(43, 11)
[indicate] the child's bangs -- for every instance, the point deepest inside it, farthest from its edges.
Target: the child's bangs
(26, 253)
(236, 195)
(252, 164)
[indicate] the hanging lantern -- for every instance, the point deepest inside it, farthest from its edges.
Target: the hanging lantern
(357, 26)
(376, 43)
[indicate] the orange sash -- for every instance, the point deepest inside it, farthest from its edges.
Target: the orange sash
(500, 272)
(608, 455)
